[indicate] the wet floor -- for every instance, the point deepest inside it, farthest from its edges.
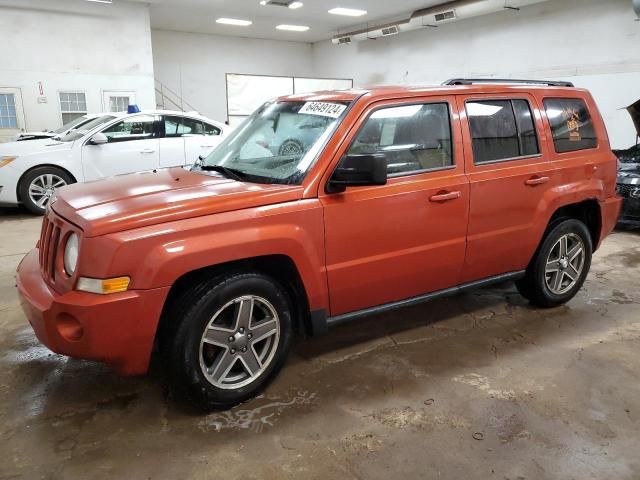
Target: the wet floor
(475, 386)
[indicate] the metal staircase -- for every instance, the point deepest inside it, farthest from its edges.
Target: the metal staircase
(167, 99)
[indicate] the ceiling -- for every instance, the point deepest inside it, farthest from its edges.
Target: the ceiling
(200, 16)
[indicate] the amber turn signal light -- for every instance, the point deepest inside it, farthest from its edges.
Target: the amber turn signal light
(103, 286)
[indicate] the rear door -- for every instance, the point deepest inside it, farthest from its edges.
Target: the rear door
(133, 146)
(185, 139)
(508, 171)
(200, 139)
(399, 240)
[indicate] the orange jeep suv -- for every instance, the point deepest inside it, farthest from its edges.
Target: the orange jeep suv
(317, 210)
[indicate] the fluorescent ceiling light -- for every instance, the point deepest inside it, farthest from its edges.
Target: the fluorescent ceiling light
(234, 21)
(349, 12)
(293, 28)
(100, 1)
(294, 5)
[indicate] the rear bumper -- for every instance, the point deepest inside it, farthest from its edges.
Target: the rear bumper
(610, 210)
(117, 329)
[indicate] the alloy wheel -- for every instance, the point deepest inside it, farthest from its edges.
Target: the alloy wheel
(565, 263)
(239, 342)
(42, 188)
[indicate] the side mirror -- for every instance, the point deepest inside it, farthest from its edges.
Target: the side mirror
(98, 139)
(358, 170)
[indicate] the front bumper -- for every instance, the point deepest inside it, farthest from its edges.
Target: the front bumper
(118, 329)
(9, 178)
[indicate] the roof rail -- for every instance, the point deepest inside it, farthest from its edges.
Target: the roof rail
(471, 81)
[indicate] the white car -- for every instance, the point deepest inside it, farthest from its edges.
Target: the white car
(112, 144)
(74, 124)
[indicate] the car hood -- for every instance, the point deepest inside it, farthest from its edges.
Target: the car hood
(634, 111)
(33, 147)
(142, 199)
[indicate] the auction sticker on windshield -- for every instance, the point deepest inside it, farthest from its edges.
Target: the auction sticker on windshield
(324, 109)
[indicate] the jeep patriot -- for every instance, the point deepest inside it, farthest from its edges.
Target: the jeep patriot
(319, 209)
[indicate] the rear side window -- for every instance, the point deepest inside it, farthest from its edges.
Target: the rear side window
(571, 124)
(501, 130)
(413, 138)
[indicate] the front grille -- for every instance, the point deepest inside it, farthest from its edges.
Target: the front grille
(49, 242)
(624, 190)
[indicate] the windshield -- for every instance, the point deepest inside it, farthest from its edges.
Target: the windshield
(278, 143)
(76, 122)
(90, 125)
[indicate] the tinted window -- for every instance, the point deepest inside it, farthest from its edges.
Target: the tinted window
(501, 129)
(133, 128)
(526, 128)
(571, 124)
(181, 126)
(210, 129)
(412, 137)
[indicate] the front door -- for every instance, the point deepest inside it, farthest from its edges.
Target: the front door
(508, 177)
(405, 238)
(132, 147)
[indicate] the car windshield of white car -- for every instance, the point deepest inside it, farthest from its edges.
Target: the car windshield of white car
(75, 123)
(86, 127)
(280, 142)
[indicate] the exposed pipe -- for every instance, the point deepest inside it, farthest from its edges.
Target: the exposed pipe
(415, 20)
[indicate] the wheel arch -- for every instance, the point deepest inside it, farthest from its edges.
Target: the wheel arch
(41, 165)
(281, 267)
(587, 211)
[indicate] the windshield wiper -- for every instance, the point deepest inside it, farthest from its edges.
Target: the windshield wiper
(232, 173)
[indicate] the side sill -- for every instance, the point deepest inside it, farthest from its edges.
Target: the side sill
(347, 317)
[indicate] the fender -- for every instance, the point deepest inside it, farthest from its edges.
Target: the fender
(157, 256)
(562, 195)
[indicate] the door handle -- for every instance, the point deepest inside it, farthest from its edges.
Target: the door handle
(536, 180)
(207, 146)
(444, 197)
(147, 150)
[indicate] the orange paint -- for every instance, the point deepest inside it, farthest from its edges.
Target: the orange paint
(360, 248)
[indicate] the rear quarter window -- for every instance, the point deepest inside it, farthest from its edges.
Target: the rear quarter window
(571, 124)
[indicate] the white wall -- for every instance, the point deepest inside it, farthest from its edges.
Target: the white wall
(594, 43)
(195, 64)
(74, 45)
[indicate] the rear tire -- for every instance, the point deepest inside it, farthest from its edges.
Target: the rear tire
(560, 265)
(231, 336)
(38, 185)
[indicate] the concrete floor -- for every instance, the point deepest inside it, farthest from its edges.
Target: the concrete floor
(475, 386)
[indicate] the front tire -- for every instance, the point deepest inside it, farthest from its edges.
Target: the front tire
(233, 336)
(560, 265)
(37, 186)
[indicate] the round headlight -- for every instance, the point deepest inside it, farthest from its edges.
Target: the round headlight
(71, 254)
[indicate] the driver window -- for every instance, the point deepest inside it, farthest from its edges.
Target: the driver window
(140, 127)
(413, 138)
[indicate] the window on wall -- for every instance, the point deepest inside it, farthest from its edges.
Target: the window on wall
(72, 106)
(8, 116)
(411, 137)
(119, 103)
(571, 124)
(501, 130)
